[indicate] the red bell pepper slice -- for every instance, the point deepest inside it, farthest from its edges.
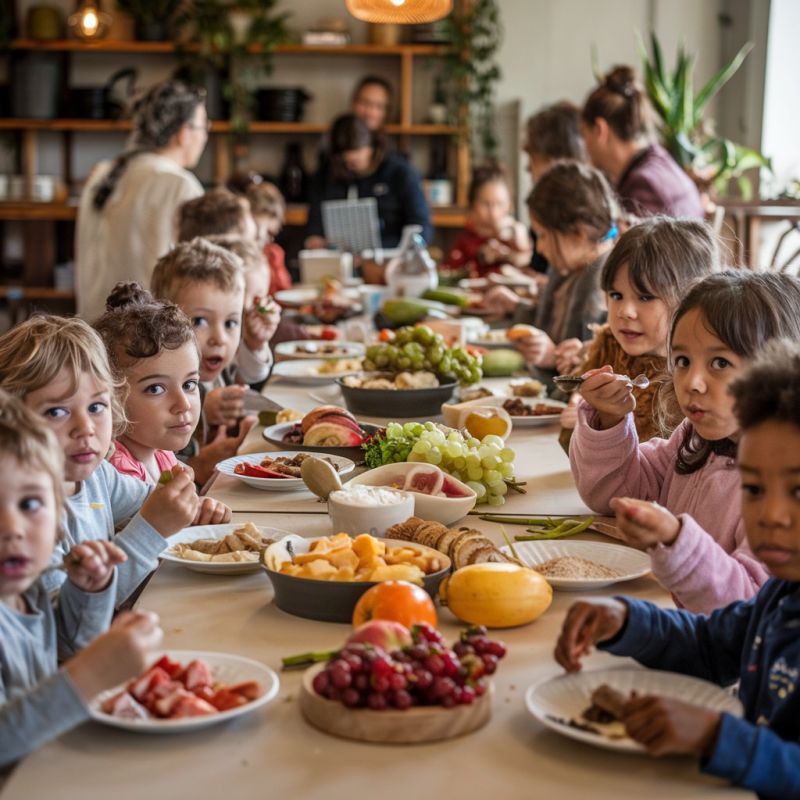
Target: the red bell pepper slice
(256, 471)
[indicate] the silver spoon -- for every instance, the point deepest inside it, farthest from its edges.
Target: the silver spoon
(571, 383)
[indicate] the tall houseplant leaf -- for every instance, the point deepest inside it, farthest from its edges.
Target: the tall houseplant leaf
(719, 80)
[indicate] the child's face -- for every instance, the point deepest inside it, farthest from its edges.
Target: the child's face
(256, 284)
(163, 403)
(80, 417)
(639, 322)
(267, 227)
(703, 368)
(567, 252)
(216, 316)
(27, 526)
(769, 463)
(491, 206)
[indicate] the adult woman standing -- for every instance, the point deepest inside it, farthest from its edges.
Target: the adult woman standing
(126, 215)
(617, 128)
(361, 167)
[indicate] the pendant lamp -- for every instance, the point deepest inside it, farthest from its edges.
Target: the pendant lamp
(404, 12)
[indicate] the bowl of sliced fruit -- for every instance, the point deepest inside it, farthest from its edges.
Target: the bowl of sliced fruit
(323, 578)
(437, 496)
(405, 394)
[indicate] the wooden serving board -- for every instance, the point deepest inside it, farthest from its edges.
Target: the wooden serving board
(412, 726)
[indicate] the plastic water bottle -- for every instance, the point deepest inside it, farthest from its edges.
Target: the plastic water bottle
(412, 271)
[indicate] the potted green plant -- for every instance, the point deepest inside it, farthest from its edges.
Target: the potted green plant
(152, 18)
(713, 161)
(207, 37)
(471, 71)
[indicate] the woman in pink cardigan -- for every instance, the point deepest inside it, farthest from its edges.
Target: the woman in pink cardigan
(679, 499)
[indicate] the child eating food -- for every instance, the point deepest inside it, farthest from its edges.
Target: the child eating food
(38, 700)
(752, 641)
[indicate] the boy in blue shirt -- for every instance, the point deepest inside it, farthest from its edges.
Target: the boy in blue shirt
(757, 641)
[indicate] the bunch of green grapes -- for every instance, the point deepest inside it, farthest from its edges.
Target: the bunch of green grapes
(418, 348)
(483, 464)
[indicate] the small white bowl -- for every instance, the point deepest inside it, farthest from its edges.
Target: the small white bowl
(446, 510)
(354, 517)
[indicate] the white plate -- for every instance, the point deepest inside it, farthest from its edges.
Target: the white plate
(305, 372)
(225, 668)
(289, 350)
(188, 535)
(630, 563)
(567, 696)
(228, 466)
(524, 422)
(304, 295)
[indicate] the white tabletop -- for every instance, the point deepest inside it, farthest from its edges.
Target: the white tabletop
(274, 753)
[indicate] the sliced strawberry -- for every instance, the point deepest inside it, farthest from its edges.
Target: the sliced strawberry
(123, 705)
(204, 692)
(224, 700)
(197, 673)
(188, 705)
(164, 705)
(172, 668)
(142, 685)
(251, 690)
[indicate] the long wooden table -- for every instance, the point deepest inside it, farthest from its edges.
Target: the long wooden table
(275, 753)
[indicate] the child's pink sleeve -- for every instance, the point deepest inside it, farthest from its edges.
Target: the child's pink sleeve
(701, 575)
(123, 462)
(611, 463)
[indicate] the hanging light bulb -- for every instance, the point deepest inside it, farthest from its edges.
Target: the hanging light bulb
(404, 12)
(89, 21)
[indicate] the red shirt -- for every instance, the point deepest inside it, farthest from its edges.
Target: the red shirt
(465, 253)
(279, 277)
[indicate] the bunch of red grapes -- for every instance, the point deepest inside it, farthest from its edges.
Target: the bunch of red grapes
(426, 673)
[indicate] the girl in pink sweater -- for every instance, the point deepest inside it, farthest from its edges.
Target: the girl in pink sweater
(679, 499)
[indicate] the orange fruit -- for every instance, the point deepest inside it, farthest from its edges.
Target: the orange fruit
(399, 601)
(480, 425)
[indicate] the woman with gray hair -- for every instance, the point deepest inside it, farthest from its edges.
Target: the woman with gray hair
(127, 209)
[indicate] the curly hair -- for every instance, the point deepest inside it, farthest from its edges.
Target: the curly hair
(34, 353)
(623, 103)
(157, 116)
(136, 326)
(197, 261)
(218, 211)
(769, 389)
(572, 197)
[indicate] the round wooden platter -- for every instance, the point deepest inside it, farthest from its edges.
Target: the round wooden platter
(412, 726)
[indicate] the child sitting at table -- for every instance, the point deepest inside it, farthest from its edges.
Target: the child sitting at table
(492, 237)
(207, 283)
(701, 556)
(39, 701)
(651, 267)
(755, 641)
(59, 368)
(574, 214)
(218, 211)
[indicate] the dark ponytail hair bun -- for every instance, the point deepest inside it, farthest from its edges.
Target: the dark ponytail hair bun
(128, 294)
(622, 80)
(623, 103)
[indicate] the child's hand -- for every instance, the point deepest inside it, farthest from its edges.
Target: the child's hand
(568, 355)
(225, 405)
(538, 350)
(260, 326)
(500, 300)
(218, 449)
(172, 506)
(90, 565)
(644, 525)
(609, 394)
(671, 727)
(588, 623)
(211, 512)
(495, 251)
(122, 653)
(569, 416)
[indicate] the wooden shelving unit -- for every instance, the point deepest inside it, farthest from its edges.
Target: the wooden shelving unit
(44, 216)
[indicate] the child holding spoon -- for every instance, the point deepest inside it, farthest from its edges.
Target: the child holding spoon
(652, 265)
(695, 536)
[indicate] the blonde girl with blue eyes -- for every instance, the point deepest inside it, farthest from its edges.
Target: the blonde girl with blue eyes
(679, 498)
(59, 368)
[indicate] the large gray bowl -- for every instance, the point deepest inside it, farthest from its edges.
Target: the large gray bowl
(334, 601)
(394, 403)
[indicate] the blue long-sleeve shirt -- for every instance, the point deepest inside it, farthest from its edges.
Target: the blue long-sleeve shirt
(395, 185)
(756, 642)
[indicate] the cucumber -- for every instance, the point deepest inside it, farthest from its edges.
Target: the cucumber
(450, 298)
(501, 362)
(406, 311)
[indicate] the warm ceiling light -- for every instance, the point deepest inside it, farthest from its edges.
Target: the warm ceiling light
(404, 12)
(89, 22)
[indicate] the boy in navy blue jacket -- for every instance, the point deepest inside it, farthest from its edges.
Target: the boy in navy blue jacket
(757, 641)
